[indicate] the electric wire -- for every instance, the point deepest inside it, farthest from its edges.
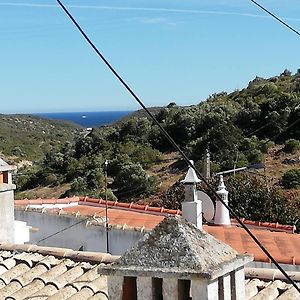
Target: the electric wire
(174, 144)
(62, 230)
(275, 17)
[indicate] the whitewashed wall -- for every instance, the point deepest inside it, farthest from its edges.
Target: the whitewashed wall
(91, 238)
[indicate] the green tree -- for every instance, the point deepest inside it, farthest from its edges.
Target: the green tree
(132, 180)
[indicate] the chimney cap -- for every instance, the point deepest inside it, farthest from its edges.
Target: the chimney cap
(156, 254)
(191, 176)
(221, 185)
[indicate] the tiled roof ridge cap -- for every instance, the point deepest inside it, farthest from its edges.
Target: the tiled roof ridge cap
(80, 256)
(40, 201)
(130, 206)
(269, 225)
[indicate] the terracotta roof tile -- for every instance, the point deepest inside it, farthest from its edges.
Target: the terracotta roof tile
(40, 201)
(32, 274)
(46, 277)
(118, 217)
(284, 247)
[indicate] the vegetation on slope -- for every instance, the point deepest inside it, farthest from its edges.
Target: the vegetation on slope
(27, 137)
(238, 128)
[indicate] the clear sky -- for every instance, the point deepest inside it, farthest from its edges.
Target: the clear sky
(179, 50)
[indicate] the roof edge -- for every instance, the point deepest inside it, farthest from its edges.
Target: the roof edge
(80, 256)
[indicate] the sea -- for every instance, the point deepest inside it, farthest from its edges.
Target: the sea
(87, 119)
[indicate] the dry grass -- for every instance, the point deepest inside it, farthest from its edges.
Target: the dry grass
(44, 192)
(276, 162)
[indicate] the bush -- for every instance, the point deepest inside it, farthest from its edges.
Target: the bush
(291, 179)
(132, 180)
(254, 156)
(251, 198)
(266, 145)
(291, 146)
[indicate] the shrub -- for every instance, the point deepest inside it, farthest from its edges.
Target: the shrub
(254, 156)
(291, 179)
(291, 146)
(265, 145)
(250, 197)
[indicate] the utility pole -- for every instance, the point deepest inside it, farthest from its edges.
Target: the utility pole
(206, 165)
(106, 207)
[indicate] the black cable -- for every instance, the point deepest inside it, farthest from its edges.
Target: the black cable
(277, 18)
(62, 230)
(177, 147)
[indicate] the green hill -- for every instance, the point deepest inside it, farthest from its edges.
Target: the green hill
(27, 137)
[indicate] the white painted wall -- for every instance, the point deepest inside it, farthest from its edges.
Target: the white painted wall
(7, 213)
(91, 238)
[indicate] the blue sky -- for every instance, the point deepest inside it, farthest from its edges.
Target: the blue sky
(167, 51)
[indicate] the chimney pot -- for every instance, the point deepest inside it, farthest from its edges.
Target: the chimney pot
(222, 214)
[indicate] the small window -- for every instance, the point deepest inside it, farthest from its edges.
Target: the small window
(184, 289)
(5, 177)
(129, 288)
(157, 288)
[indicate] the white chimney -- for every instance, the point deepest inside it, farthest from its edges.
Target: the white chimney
(222, 214)
(6, 203)
(191, 206)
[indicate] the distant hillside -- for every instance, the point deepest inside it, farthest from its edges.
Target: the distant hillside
(140, 113)
(25, 137)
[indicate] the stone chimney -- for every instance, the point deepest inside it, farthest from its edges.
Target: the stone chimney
(6, 203)
(191, 206)
(222, 214)
(176, 261)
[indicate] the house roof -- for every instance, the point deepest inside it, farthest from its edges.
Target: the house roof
(4, 166)
(256, 289)
(3, 163)
(51, 273)
(284, 246)
(58, 273)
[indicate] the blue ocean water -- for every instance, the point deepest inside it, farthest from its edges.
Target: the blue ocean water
(87, 119)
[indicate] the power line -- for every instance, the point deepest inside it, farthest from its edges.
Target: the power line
(62, 230)
(275, 17)
(174, 144)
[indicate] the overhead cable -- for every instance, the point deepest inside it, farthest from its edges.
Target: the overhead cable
(176, 147)
(60, 231)
(275, 17)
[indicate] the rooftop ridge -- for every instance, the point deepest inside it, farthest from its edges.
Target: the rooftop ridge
(129, 206)
(79, 256)
(99, 202)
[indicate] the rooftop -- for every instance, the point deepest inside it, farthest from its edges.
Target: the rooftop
(44, 272)
(4, 166)
(278, 239)
(51, 273)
